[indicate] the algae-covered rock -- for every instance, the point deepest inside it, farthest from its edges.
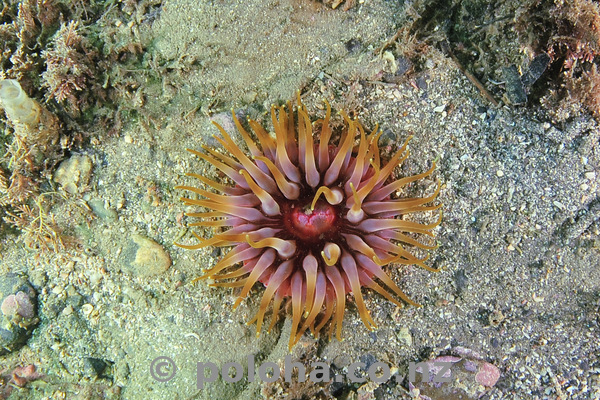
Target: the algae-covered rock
(73, 174)
(18, 314)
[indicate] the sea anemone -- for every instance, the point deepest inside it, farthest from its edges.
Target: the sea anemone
(311, 221)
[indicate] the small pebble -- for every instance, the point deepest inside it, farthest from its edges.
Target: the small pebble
(94, 367)
(100, 209)
(591, 175)
(404, 336)
(144, 257)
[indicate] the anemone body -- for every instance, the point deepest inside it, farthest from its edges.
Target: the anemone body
(312, 220)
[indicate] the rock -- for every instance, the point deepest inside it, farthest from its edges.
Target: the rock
(18, 312)
(18, 305)
(144, 257)
(19, 377)
(367, 391)
(468, 377)
(404, 336)
(74, 174)
(515, 90)
(94, 367)
(536, 68)
(99, 208)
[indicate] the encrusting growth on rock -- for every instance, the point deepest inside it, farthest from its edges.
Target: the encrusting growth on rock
(35, 125)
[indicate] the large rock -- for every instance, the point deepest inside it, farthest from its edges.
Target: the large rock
(18, 315)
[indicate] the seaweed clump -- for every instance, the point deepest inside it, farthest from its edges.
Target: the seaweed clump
(41, 56)
(25, 28)
(84, 59)
(35, 135)
(69, 67)
(505, 46)
(569, 32)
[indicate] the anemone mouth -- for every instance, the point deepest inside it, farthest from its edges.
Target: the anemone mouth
(312, 222)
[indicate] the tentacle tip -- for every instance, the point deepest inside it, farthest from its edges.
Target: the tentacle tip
(187, 246)
(378, 261)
